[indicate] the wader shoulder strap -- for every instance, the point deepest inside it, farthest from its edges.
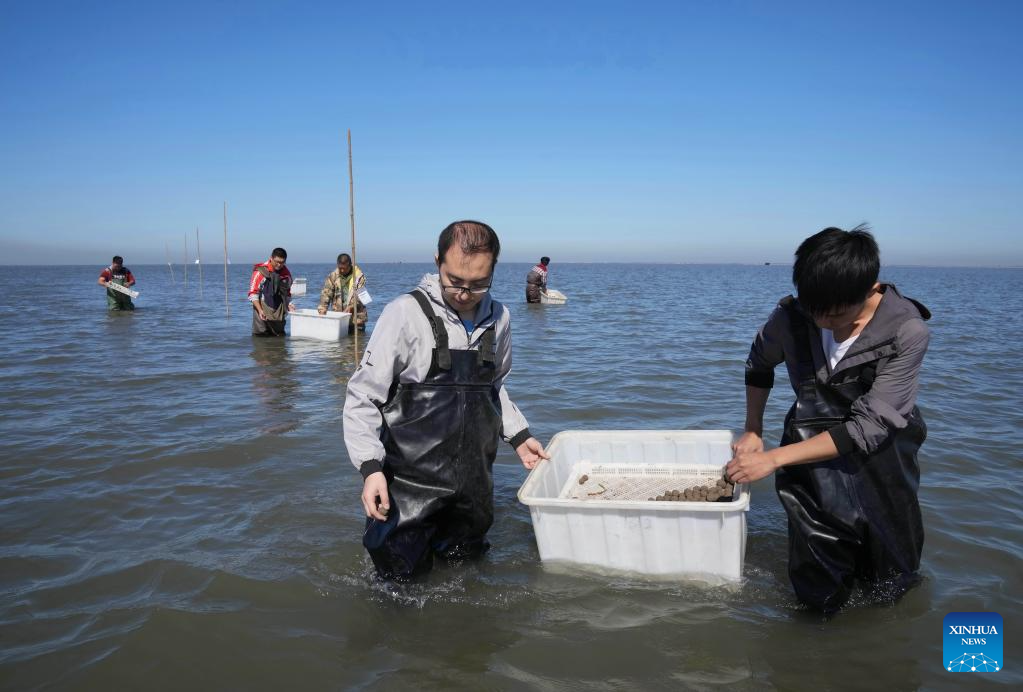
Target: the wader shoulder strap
(440, 332)
(807, 388)
(488, 347)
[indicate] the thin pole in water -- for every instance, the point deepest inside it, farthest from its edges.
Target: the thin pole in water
(198, 258)
(186, 260)
(227, 305)
(351, 214)
(169, 265)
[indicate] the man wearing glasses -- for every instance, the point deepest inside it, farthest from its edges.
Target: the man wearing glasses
(270, 295)
(427, 407)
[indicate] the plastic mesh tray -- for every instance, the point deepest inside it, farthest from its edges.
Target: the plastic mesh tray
(636, 482)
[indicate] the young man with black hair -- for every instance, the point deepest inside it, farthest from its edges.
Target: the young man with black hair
(427, 407)
(270, 295)
(846, 471)
(119, 275)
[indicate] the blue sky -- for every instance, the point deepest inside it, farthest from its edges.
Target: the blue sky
(591, 131)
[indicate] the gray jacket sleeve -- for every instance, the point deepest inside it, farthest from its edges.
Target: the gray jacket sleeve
(515, 429)
(767, 350)
(883, 410)
(386, 356)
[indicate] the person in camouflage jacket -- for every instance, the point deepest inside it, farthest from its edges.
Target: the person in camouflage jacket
(340, 292)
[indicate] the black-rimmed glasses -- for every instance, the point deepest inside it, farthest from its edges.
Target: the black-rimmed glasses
(458, 290)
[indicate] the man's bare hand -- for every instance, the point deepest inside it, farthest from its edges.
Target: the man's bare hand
(747, 467)
(531, 452)
(749, 442)
(375, 499)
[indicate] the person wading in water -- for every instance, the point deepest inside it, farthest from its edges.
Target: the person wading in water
(119, 275)
(846, 471)
(426, 409)
(270, 294)
(341, 292)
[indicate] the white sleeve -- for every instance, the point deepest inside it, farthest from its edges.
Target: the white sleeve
(387, 354)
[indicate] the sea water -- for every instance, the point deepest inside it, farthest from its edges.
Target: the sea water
(177, 509)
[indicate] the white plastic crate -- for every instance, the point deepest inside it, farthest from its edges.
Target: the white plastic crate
(298, 286)
(312, 325)
(552, 297)
(609, 522)
(122, 289)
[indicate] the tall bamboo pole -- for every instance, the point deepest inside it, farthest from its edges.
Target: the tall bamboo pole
(351, 214)
(198, 257)
(227, 305)
(169, 265)
(186, 260)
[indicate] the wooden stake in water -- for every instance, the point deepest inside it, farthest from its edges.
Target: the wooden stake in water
(186, 260)
(227, 305)
(351, 214)
(198, 260)
(169, 265)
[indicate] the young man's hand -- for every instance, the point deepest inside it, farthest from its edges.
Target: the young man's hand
(747, 467)
(749, 442)
(747, 464)
(322, 310)
(291, 308)
(752, 463)
(531, 452)
(375, 500)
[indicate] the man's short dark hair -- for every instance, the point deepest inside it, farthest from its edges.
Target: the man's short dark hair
(344, 256)
(835, 269)
(472, 237)
(117, 260)
(545, 260)
(279, 252)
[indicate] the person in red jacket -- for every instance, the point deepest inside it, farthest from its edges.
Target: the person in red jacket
(270, 294)
(536, 280)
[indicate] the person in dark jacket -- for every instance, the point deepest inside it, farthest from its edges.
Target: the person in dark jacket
(846, 471)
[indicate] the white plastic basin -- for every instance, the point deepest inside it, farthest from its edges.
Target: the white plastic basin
(309, 324)
(697, 540)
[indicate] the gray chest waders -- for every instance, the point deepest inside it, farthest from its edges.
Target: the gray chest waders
(440, 438)
(854, 516)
